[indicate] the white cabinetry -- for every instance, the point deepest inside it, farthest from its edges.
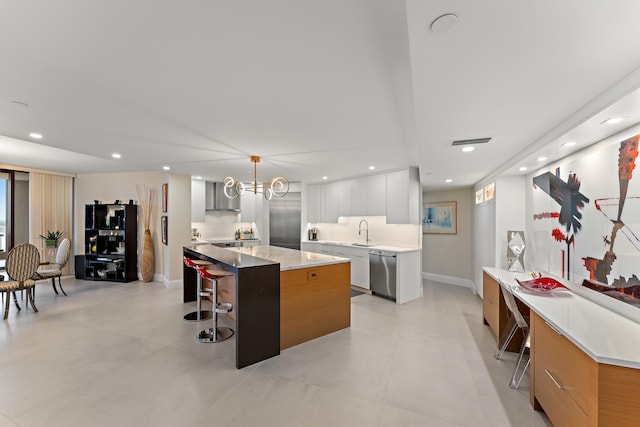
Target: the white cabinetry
(330, 202)
(359, 264)
(308, 247)
(376, 195)
(344, 197)
(197, 201)
(359, 259)
(314, 203)
(395, 195)
(359, 197)
(408, 277)
(403, 188)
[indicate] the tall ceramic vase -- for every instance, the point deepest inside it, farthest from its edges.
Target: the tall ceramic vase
(148, 260)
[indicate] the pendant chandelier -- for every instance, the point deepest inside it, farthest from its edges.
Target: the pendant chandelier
(278, 187)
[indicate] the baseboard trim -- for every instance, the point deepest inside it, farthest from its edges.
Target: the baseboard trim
(449, 280)
(171, 284)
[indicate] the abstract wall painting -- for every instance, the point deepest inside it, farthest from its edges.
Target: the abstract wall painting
(567, 195)
(597, 220)
(439, 218)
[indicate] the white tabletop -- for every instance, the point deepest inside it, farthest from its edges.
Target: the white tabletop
(606, 336)
(290, 259)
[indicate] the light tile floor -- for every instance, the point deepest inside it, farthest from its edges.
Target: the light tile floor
(115, 354)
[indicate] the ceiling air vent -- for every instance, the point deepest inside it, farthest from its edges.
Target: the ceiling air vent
(471, 141)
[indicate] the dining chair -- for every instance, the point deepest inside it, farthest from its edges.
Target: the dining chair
(62, 258)
(521, 323)
(22, 263)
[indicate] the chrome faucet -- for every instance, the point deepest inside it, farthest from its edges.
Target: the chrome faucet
(366, 240)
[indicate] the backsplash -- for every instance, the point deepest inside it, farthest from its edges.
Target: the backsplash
(222, 226)
(380, 233)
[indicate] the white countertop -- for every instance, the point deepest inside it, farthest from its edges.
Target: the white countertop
(289, 259)
(373, 247)
(606, 336)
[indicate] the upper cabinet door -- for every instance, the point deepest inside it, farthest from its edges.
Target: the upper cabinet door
(330, 202)
(398, 197)
(344, 197)
(376, 195)
(197, 201)
(314, 203)
(359, 197)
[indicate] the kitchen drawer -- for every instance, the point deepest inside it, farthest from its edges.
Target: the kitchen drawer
(558, 404)
(565, 378)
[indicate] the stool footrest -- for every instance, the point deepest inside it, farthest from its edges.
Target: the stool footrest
(223, 307)
(218, 334)
(198, 316)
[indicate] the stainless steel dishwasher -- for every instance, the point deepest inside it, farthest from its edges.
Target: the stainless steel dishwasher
(382, 273)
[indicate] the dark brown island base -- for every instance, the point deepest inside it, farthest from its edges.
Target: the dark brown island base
(281, 297)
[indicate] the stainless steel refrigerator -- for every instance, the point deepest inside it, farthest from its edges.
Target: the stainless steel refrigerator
(284, 221)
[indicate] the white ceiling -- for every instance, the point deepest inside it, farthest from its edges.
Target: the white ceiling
(315, 87)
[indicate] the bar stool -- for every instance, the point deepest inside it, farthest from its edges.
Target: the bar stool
(199, 314)
(215, 333)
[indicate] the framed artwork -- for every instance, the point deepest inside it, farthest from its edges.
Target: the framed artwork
(440, 218)
(165, 196)
(165, 229)
(490, 191)
(479, 196)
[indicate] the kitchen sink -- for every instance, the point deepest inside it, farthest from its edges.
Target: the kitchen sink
(364, 245)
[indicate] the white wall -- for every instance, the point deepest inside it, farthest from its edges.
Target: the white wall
(449, 257)
(510, 213)
(179, 221)
(493, 219)
(108, 187)
(485, 241)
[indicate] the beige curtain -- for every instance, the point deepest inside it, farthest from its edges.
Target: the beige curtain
(51, 209)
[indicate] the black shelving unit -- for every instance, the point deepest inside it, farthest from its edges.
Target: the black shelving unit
(110, 243)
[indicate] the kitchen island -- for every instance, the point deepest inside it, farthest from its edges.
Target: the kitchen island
(283, 297)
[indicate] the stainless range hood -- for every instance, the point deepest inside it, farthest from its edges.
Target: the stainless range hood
(215, 199)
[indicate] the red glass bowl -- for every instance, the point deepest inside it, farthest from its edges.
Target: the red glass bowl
(541, 284)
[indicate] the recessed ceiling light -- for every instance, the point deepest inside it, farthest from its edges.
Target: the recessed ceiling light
(371, 168)
(613, 121)
(35, 135)
(166, 168)
(468, 149)
(448, 180)
(444, 23)
(569, 144)
(541, 159)
(523, 168)
(116, 155)
(325, 177)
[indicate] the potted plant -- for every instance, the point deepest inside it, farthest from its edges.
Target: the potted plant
(52, 238)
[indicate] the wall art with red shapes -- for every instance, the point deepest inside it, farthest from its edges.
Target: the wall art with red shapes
(586, 221)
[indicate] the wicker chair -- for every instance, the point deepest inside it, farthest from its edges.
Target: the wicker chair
(22, 263)
(62, 258)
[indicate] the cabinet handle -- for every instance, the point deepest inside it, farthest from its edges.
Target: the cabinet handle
(553, 328)
(553, 379)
